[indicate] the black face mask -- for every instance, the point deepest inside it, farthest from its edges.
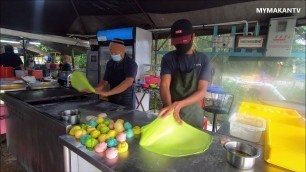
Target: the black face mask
(183, 48)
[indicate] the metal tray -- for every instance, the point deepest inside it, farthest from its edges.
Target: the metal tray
(12, 87)
(44, 85)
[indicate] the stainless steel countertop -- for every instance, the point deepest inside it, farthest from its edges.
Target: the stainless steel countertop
(139, 159)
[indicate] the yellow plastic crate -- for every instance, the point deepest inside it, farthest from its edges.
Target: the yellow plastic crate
(285, 146)
(271, 113)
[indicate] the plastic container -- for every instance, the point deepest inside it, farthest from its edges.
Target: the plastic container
(247, 127)
(151, 79)
(20, 73)
(276, 114)
(6, 72)
(285, 145)
(38, 74)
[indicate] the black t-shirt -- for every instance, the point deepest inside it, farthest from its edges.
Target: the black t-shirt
(186, 63)
(128, 65)
(66, 67)
(10, 60)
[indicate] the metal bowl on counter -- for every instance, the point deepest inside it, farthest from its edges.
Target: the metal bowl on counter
(241, 155)
(72, 116)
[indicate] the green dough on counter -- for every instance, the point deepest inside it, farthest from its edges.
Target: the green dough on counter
(108, 121)
(167, 137)
(104, 130)
(91, 143)
(84, 138)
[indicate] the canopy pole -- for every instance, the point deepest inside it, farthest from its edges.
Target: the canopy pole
(155, 48)
(24, 52)
(72, 58)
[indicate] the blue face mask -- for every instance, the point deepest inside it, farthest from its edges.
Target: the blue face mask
(116, 58)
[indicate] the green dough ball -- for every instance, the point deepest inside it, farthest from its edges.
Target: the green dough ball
(84, 138)
(83, 126)
(108, 121)
(104, 130)
(91, 143)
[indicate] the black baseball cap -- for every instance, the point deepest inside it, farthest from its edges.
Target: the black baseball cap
(181, 32)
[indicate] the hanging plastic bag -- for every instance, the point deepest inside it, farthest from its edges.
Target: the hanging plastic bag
(167, 137)
(80, 82)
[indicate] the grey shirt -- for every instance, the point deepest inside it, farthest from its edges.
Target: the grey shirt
(186, 63)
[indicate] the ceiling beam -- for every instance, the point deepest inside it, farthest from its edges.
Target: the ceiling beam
(48, 38)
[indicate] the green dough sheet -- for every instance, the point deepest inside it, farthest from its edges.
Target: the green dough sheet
(167, 137)
(80, 82)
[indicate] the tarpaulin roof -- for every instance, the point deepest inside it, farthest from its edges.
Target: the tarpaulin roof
(62, 17)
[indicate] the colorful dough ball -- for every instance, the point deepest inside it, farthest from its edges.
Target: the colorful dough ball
(95, 133)
(136, 130)
(90, 129)
(79, 133)
(127, 125)
(93, 123)
(74, 129)
(103, 115)
(100, 126)
(123, 147)
(129, 133)
(104, 130)
(108, 121)
(120, 121)
(111, 153)
(121, 137)
(84, 138)
(101, 147)
(84, 126)
(103, 137)
(90, 143)
(112, 133)
(89, 118)
(111, 142)
(119, 127)
(100, 120)
(111, 126)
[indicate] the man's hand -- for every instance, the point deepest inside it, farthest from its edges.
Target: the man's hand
(102, 93)
(173, 108)
(86, 91)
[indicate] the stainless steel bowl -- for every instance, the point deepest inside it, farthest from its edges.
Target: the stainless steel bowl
(72, 116)
(241, 155)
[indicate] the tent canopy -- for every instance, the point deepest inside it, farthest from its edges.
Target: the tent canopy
(86, 17)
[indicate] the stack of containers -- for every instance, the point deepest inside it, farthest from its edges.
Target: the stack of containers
(285, 135)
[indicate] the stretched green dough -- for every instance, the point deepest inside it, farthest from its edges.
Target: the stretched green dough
(80, 82)
(167, 137)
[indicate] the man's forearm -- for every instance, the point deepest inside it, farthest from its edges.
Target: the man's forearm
(195, 97)
(121, 87)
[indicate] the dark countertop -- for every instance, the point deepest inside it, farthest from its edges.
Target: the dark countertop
(139, 159)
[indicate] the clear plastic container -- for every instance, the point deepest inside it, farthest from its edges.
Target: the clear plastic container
(247, 127)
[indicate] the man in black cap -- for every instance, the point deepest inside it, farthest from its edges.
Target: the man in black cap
(185, 74)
